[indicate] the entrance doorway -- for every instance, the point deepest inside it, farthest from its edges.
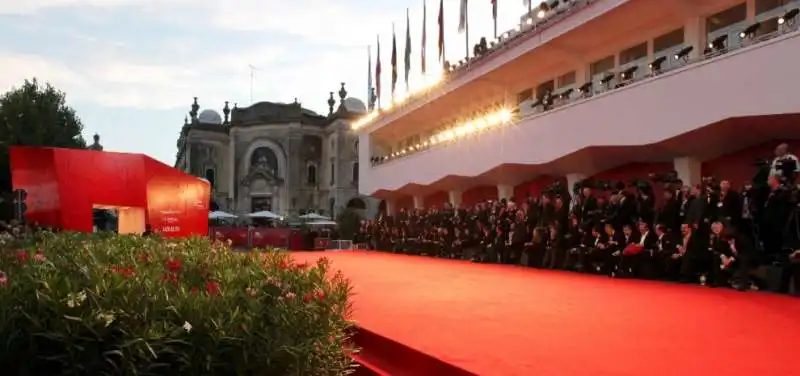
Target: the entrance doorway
(120, 219)
(260, 203)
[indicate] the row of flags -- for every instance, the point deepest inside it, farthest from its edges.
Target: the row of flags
(463, 27)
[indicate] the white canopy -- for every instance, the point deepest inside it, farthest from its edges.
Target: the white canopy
(321, 223)
(264, 214)
(220, 215)
(314, 217)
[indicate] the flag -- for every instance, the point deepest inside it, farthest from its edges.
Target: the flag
(424, 34)
(394, 61)
(369, 77)
(441, 30)
(378, 72)
(407, 60)
(462, 19)
(494, 16)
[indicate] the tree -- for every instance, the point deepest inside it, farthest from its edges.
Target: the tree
(35, 115)
(349, 222)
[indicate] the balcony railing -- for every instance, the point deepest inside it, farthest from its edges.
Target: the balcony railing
(575, 97)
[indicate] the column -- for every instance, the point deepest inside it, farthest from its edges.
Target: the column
(455, 198)
(695, 36)
(689, 170)
(581, 75)
(505, 191)
(188, 156)
(391, 206)
(419, 202)
(231, 169)
(572, 179)
(751, 11)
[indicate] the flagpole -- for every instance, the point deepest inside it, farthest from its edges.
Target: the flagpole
(466, 28)
(494, 15)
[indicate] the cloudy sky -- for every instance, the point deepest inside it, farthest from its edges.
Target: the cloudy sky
(131, 67)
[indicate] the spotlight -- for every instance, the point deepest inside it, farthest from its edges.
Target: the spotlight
(655, 65)
(529, 21)
(718, 44)
(566, 94)
(607, 78)
(684, 53)
(543, 9)
(750, 31)
(586, 88)
(788, 17)
(627, 74)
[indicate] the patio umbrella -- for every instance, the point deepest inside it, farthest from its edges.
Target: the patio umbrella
(321, 223)
(314, 217)
(264, 214)
(220, 215)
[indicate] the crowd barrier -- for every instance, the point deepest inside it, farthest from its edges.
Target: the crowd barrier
(285, 238)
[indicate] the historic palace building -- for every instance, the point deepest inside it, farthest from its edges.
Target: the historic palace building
(279, 157)
(601, 89)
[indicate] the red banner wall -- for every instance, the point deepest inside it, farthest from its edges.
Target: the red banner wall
(63, 185)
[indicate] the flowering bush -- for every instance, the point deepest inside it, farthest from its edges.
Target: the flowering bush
(127, 305)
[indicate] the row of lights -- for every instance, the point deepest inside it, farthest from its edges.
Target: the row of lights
(430, 82)
(478, 124)
(435, 80)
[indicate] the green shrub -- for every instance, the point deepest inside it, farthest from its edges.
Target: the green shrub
(128, 305)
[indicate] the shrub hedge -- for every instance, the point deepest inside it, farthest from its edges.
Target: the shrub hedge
(75, 304)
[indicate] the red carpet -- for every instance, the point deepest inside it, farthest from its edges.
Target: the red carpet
(503, 320)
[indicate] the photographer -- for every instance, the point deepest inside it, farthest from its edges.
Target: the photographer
(785, 164)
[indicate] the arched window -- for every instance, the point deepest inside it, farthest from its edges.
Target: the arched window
(355, 172)
(332, 203)
(355, 147)
(210, 176)
(311, 174)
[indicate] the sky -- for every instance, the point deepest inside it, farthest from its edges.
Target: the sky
(131, 68)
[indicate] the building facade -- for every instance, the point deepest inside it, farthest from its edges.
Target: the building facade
(279, 157)
(593, 88)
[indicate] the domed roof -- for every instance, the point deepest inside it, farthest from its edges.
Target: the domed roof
(209, 117)
(355, 105)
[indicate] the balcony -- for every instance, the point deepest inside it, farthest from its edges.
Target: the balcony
(751, 81)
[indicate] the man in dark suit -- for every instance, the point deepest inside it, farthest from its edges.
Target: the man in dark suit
(519, 236)
(729, 205)
(643, 262)
(670, 213)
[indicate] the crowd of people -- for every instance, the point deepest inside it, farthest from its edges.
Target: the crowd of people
(711, 233)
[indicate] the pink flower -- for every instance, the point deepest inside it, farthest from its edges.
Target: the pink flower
(3, 279)
(290, 295)
(38, 256)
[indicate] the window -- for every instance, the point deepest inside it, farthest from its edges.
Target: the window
(668, 42)
(355, 147)
(311, 174)
(210, 176)
(524, 96)
(333, 172)
(565, 80)
(764, 6)
(728, 23)
(544, 88)
(355, 172)
(632, 54)
(602, 66)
